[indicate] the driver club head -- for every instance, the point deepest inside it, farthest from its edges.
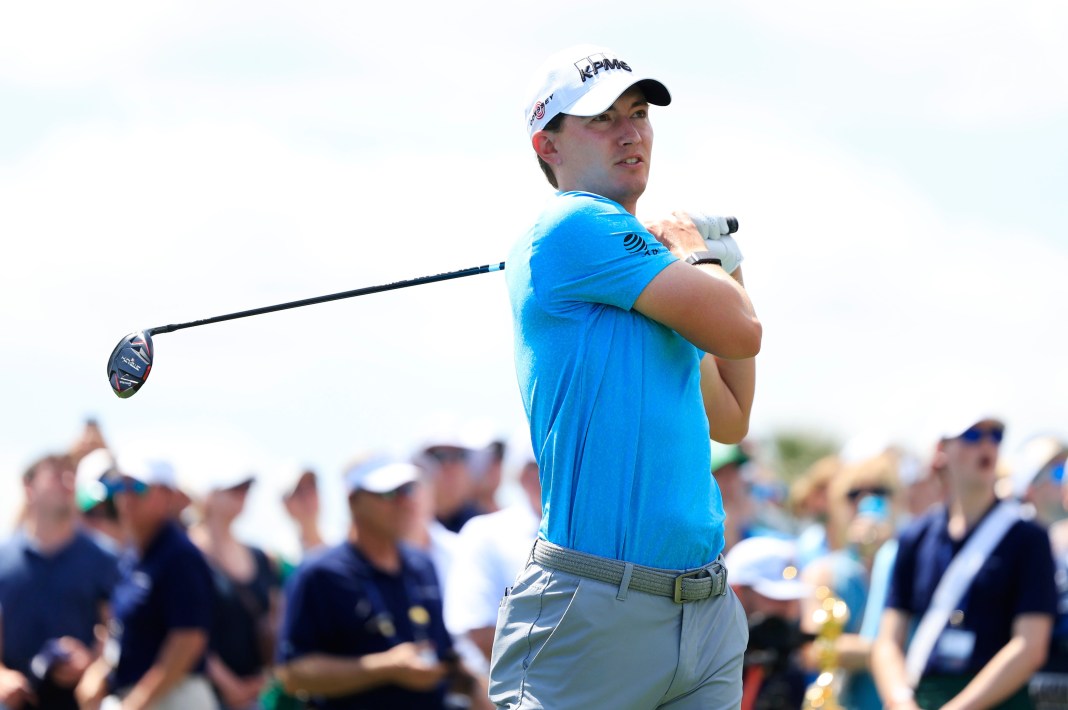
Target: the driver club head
(130, 363)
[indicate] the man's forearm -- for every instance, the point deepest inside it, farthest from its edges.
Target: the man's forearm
(333, 676)
(888, 669)
(180, 652)
(727, 388)
(1006, 673)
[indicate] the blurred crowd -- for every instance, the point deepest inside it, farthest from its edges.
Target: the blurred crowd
(124, 585)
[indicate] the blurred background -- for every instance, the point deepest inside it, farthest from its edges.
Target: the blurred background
(899, 170)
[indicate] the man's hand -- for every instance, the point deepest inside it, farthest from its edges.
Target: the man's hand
(678, 233)
(15, 689)
(726, 250)
(410, 667)
(93, 686)
(67, 673)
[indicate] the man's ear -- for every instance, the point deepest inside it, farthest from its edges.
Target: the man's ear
(544, 144)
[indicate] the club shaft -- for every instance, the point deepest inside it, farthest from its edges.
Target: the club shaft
(484, 269)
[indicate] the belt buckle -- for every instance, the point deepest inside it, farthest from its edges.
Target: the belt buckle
(678, 582)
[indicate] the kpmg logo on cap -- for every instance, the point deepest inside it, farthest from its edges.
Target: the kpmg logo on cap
(591, 66)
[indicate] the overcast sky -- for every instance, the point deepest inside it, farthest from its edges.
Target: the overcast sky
(899, 170)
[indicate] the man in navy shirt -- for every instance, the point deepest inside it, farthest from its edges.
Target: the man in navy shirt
(162, 605)
(363, 623)
(998, 634)
(54, 586)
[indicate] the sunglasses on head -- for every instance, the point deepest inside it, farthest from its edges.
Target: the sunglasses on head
(856, 494)
(973, 435)
(402, 492)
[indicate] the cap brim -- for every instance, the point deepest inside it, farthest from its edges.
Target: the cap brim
(601, 97)
(964, 424)
(783, 590)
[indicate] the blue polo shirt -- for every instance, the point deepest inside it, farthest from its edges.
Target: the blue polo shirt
(1017, 578)
(340, 605)
(613, 398)
(168, 587)
(46, 596)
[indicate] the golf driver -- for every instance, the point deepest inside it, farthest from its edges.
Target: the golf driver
(131, 361)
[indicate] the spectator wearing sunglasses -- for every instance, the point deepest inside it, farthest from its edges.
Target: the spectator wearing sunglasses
(162, 605)
(861, 509)
(1041, 462)
(54, 585)
(1037, 470)
(363, 625)
(447, 456)
(995, 636)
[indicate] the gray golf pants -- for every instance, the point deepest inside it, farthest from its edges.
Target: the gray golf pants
(564, 642)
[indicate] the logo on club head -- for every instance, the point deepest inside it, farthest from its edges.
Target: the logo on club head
(130, 361)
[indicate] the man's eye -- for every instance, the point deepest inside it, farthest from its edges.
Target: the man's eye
(602, 118)
(641, 113)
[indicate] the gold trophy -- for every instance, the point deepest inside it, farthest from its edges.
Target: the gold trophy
(830, 618)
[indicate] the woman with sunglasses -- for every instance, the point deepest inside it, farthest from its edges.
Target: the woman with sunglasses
(861, 511)
(246, 590)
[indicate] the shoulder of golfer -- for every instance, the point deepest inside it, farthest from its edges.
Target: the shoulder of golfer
(701, 303)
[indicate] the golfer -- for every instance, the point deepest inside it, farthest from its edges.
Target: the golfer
(632, 348)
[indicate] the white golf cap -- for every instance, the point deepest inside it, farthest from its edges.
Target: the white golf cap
(152, 472)
(584, 81)
(379, 475)
(207, 477)
(769, 566)
(94, 466)
(961, 421)
(1035, 455)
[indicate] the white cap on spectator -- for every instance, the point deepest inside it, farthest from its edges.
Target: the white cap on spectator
(769, 566)
(960, 422)
(380, 475)
(151, 472)
(1031, 458)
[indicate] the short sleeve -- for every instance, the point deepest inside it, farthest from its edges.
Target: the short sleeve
(1038, 588)
(900, 587)
(590, 250)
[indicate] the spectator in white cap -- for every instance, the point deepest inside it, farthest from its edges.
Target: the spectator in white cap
(1036, 475)
(363, 624)
(162, 604)
(765, 576)
(300, 497)
(1049, 688)
(447, 455)
(246, 591)
(975, 581)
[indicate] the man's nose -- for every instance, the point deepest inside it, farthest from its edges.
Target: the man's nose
(629, 133)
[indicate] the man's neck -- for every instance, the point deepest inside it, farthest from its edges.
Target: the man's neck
(50, 532)
(381, 551)
(966, 509)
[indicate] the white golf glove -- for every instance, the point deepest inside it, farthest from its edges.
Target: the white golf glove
(710, 226)
(726, 250)
(718, 239)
